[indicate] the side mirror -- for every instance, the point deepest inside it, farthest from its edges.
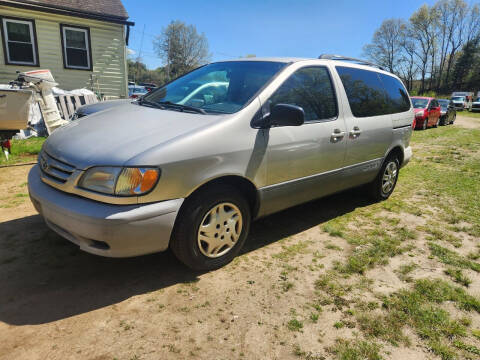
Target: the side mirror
(286, 115)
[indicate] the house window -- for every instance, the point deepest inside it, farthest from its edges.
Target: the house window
(76, 47)
(19, 41)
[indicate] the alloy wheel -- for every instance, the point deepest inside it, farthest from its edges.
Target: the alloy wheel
(389, 177)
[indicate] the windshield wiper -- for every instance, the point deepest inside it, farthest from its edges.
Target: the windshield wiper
(142, 101)
(183, 107)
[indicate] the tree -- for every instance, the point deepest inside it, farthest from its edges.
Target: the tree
(182, 48)
(386, 44)
(466, 62)
(422, 31)
(458, 8)
(407, 68)
(138, 72)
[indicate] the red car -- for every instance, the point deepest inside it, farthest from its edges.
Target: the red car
(427, 112)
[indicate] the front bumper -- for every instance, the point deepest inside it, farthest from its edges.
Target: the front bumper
(104, 229)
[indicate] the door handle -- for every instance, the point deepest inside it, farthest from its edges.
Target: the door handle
(355, 132)
(337, 135)
(3, 96)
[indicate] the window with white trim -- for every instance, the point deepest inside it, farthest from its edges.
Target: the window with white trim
(76, 47)
(19, 42)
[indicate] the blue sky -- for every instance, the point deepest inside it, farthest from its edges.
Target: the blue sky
(300, 28)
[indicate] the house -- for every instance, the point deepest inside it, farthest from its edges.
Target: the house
(83, 42)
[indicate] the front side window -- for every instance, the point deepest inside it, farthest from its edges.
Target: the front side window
(223, 87)
(76, 47)
(19, 42)
(310, 88)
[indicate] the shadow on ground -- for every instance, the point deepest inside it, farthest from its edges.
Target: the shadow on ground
(46, 278)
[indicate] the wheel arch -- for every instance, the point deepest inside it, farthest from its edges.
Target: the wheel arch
(244, 185)
(396, 150)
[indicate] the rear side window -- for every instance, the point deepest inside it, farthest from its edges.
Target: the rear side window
(310, 88)
(372, 94)
(397, 97)
(365, 92)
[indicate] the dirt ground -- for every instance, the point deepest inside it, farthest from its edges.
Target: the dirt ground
(57, 302)
(467, 122)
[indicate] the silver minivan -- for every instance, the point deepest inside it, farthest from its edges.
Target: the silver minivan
(191, 164)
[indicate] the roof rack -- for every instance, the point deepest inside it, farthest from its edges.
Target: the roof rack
(346, 58)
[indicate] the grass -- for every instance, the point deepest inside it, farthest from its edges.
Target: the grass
(420, 309)
(450, 257)
(356, 350)
(458, 276)
(404, 270)
(289, 252)
(295, 325)
(470, 114)
(23, 151)
(376, 251)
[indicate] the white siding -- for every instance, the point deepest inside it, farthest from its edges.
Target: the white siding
(108, 53)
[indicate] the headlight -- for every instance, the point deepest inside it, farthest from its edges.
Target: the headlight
(419, 114)
(119, 181)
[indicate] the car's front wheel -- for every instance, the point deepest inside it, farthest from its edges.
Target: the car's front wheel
(212, 228)
(425, 124)
(384, 184)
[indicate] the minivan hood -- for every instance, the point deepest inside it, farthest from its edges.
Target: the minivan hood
(418, 110)
(115, 135)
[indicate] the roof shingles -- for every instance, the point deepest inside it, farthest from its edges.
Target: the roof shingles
(104, 7)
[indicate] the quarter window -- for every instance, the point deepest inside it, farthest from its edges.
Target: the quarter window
(365, 92)
(310, 88)
(19, 42)
(76, 47)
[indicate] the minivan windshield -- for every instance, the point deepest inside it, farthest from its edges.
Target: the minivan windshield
(458, 98)
(419, 103)
(223, 87)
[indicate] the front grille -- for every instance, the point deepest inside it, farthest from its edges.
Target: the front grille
(476, 106)
(54, 169)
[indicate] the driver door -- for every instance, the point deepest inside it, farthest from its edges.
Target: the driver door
(305, 162)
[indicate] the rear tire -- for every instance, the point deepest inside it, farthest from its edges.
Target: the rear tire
(384, 184)
(225, 216)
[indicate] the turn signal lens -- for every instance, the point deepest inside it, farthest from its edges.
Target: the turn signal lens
(136, 181)
(149, 180)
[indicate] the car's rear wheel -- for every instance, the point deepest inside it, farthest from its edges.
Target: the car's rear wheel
(212, 228)
(384, 184)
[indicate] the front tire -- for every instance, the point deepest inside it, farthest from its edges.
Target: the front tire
(425, 124)
(212, 228)
(384, 184)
